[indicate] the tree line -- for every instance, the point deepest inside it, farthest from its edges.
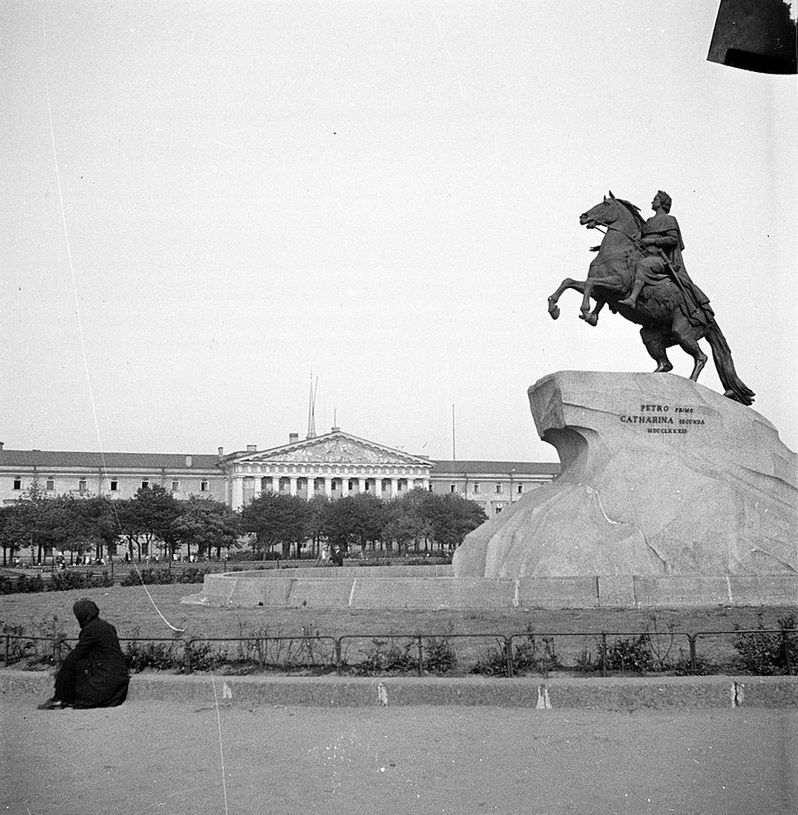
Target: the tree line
(273, 524)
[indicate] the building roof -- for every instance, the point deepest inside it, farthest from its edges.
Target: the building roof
(333, 447)
(503, 468)
(182, 461)
(107, 461)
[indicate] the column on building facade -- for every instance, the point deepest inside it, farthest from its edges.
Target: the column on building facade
(378, 486)
(292, 484)
(238, 492)
(361, 484)
(344, 486)
(394, 487)
(248, 488)
(328, 486)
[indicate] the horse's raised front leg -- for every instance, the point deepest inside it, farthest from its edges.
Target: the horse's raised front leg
(604, 285)
(568, 283)
(592, 318)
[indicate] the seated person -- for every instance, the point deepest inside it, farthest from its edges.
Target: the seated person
(94, 674)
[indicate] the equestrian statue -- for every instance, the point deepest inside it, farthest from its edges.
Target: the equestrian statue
(639, 273)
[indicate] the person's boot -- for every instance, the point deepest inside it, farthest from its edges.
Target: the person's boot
(631, 300)
(52, 704)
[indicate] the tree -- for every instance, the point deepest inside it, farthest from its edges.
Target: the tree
(147, 518)
(353, 519)
(206, 524)
(276, 519)
(451, 518)
(318, 507)
(101, 525)
(58, 525)
(15, 528)
(406, 520)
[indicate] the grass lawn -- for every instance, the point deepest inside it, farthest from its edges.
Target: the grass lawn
(134, 614)
(130, 609)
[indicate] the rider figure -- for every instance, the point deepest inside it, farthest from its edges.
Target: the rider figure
(662, 240)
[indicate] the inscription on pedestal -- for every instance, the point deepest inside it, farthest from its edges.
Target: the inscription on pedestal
(659, 418)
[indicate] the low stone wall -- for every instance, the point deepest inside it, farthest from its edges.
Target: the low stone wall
(558, 592)
(27, 688)
(432, 593)
(417, 587)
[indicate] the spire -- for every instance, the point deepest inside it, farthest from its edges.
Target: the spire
(312, 407)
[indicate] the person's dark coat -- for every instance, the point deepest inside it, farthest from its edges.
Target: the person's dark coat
(96, 668)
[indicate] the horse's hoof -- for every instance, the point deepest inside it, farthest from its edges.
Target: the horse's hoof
(589, 318)
(554, 311)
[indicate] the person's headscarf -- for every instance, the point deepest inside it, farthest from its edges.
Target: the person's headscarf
(85, 610)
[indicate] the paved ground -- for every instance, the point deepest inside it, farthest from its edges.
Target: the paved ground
(179, 757)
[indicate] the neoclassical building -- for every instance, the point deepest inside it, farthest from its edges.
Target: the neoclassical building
(334, 464)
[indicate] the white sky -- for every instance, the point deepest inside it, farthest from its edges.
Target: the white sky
(381, 193)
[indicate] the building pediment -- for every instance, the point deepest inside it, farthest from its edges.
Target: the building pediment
(333, 448)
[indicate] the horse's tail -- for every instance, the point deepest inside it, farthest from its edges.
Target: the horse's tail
(721, 353)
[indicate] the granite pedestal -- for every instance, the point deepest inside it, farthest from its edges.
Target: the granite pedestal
(660, 477)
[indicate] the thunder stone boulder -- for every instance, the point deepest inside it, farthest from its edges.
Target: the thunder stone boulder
(660, 476)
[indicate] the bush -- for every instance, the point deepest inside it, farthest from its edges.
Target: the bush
(634, 654)
(35, 649)
(527, 656)
(159, 656)
(768, 653)
(60, 581)
(64, 581)
(21, 584)
(439, 656)
(165, 656)
(703, 667)
(162, 576)
(388, 658)
(204, 657)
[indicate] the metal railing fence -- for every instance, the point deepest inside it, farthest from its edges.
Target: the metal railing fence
(514, 654)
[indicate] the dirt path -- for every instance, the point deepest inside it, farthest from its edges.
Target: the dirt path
(155, 757)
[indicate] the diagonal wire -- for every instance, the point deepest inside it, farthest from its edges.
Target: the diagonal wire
(76, 299)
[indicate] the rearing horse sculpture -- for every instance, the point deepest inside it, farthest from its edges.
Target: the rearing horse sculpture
(663, 309)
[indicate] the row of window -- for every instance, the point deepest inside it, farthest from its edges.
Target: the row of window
(475, 488)
(175, 486)
(282, 483)
(49, 485)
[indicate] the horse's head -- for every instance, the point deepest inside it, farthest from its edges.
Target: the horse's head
(613, 209)
(604, 213)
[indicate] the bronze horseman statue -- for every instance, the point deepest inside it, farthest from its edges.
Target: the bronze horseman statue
(639, 272)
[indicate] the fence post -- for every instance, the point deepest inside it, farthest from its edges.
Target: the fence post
(337, 645)
(785, 644)
(508, 656)
(603, 653)
(56, 651)
(420, 656)
(7, 649)
(691, 638)
(187, 660)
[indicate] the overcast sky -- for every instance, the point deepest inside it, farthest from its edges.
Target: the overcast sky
(382, 194)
